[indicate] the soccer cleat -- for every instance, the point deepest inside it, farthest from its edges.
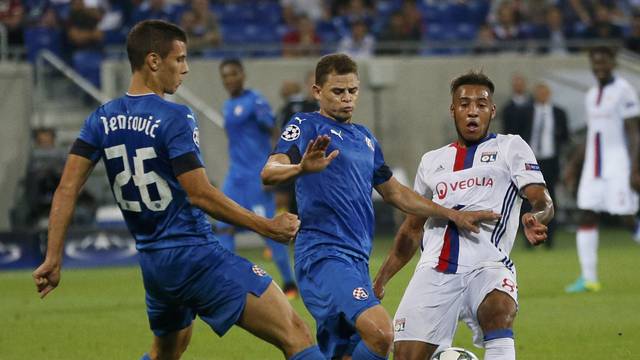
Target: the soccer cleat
(290, 290)
(580, 286)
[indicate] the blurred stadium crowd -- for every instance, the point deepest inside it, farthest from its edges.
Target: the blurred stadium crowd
(84, 31)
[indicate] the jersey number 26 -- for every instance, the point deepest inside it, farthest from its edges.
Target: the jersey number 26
(140, 178)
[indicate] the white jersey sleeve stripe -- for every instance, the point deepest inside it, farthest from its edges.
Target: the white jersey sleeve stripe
(509, 210)
(502, 222)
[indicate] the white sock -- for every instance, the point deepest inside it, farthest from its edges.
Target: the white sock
(587, 243)
(500, 349)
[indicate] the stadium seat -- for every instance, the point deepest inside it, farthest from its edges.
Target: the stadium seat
(87, 63)
(37, 39)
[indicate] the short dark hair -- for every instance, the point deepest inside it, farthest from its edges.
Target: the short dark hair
(605, 50)
(231, 61)
(472, 78)
(151, 36)
(340, 64)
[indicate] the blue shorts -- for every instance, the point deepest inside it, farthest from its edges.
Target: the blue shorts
(204, 280)
(250, 197)
(336, 289)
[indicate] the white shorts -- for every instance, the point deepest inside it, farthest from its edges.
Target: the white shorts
(613, 196)
(434, 302)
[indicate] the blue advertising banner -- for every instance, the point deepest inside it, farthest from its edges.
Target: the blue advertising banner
(19, 250)
(83, 248)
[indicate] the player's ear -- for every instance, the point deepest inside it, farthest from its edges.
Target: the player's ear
(153, 61)
(493, 111)
(451, 112)
(316, 91)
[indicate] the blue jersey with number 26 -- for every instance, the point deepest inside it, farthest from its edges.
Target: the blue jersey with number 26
(137, 137)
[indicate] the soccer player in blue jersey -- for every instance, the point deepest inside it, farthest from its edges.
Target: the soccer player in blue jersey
(336, 164)
(150, 148)
(249, 124)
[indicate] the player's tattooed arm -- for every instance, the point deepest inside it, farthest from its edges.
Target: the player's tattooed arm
(405, 245)
(279, 168)
(633, 144)
(410, 202)
(205, 196)
(542, 211)
(76, 171)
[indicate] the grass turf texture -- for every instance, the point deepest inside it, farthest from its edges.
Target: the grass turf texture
(99, 313)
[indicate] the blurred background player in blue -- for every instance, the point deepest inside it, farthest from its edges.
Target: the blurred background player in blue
(342, 163)
(151, 151)
(249, 123)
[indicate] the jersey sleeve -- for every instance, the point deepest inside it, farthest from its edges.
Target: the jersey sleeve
(91, 136)
(381, 172)
(181, 136)
(420, 185)
(630, 106)
(264, 115)
(521, 162)
(294, 138)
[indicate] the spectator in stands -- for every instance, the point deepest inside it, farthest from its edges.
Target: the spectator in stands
(549, 133)
(554, 32)
(507, 28)
(12, 16)
(398, 36)
(485, 42)
(154, 9)
(302, 40)
(44, 169)
(313, 9)
(602, 27)
(632, 42)
(297, 101)
(518, 108)
(360, 43)
(201, 25)
(82, 30)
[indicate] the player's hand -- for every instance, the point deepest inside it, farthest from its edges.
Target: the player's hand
(315, 157)
(570, 178)
(535, 231)
(378, 288)
(46, 278)
(284, 227)
(635, 180)
(468, 220)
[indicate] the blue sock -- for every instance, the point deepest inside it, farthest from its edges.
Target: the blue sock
(145, 357)
(310, 353)
(227, 240)
(280, 254)
(362, 352)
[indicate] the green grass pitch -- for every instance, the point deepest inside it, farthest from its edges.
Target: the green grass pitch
(99, 313)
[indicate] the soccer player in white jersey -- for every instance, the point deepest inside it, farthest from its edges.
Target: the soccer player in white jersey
(610, 174)
(465, 275)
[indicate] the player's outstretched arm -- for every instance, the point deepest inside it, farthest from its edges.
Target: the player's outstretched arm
(571, 173)
(404, 247)
(535, 222)
(410, 202)
(205, 196)
(75, 174)
(279, 169)
(633, 145)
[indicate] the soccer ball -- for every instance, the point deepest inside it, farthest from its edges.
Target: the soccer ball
(454, 353)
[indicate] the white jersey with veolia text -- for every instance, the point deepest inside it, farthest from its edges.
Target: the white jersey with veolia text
(604, 184)
(485, 176)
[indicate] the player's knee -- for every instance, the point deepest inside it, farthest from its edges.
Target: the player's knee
(497, 311)
(297, 336)
(379, 338)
